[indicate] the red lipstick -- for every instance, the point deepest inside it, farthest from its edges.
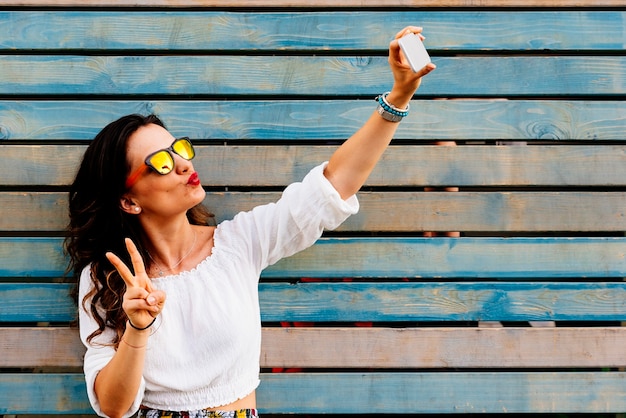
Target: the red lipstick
(194, 180)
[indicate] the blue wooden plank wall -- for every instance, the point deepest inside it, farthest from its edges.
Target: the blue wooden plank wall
(530, 93)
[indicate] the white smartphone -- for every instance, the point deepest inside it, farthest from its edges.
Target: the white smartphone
(414, 51)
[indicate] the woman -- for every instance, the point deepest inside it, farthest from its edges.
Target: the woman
(169, 308)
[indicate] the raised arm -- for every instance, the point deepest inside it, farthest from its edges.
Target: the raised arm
(354, 160)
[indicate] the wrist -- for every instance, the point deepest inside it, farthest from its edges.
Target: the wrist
(399, 99)
(389, 111)
(140, 329)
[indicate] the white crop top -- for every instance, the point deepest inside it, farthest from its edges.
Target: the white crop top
(205, 347)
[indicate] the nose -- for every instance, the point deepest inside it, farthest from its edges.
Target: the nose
(182, 165)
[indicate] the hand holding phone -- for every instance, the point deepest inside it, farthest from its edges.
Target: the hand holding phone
(414, 51)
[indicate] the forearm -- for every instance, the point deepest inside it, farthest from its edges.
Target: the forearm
(350, 166)
(117, 383)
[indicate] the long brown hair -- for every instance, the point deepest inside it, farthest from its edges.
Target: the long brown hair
(98, 224)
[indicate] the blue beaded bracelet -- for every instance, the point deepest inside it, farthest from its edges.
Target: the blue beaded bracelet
(389, 111)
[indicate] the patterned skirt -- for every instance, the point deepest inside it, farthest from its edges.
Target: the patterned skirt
(203, 413)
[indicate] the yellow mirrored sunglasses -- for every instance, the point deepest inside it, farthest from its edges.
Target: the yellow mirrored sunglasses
(162, 161)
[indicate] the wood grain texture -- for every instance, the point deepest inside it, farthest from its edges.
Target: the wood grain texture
(207, 30)
(295, 120)
(400, 166)
(444, 392)
(406, 348)
(461, 301)
(549, 73)
(512, 258)
(368, 76)
(370, 348)
(518, 258)
(41, 347)
(343, 393)
(495, 212)
(377, 302)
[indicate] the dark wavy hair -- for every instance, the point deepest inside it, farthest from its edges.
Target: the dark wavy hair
(98, 224)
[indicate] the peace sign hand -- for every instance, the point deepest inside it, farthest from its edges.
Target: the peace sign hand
(141, 302)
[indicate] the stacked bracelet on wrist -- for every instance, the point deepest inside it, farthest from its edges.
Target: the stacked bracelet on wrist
(388, 111)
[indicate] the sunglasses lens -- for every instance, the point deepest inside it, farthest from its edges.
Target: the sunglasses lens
(162, 162)
(184, 148)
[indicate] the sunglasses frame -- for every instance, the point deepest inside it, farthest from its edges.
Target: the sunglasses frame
(134, 176)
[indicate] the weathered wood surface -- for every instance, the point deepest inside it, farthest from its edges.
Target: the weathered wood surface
(378, 302)
(520, 258)
(87, 67)
(515, 212)
(213, 75)
(483, 31)
(368, 392)
(401, 166)
(320, 3)
(367, 348)
(303, 120)
(450, 392)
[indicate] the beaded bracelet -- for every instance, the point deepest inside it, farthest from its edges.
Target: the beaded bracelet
(144, 328)
(388, 111)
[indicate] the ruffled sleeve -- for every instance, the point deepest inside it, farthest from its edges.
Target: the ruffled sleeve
(277, 230)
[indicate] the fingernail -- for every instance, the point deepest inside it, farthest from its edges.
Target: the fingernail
(151, 300)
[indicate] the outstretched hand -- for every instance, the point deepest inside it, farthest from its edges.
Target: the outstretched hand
(404, 77)
(141, 302)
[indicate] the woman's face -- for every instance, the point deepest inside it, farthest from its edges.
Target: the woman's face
(156, 194)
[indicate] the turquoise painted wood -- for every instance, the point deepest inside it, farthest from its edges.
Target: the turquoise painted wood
(445, 392)
(378, 302)
(337, 30)
(551, 78)
(512, 76)
(298, 120)
(50, 393)
(519, 258)
(511, 258)
(344, 393)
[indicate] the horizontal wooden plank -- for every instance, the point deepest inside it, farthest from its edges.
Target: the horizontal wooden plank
(319, 3)
(370, 348)
(386, 211)
(378, 302)
(294, 120)
(336, 30)
(24, 347)
(497, 258)
(315, 119)
(519, 258)
(502, 301)
(443, 392)
(402, 165)
(230, 75)
(366, 393)
(30, 308)
(54, 393)
(406, 348)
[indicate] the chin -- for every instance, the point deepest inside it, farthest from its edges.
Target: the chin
(199, 194)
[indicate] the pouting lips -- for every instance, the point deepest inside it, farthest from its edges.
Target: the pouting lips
(194, 180)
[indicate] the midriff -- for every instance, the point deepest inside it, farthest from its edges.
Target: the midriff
(248, 402)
